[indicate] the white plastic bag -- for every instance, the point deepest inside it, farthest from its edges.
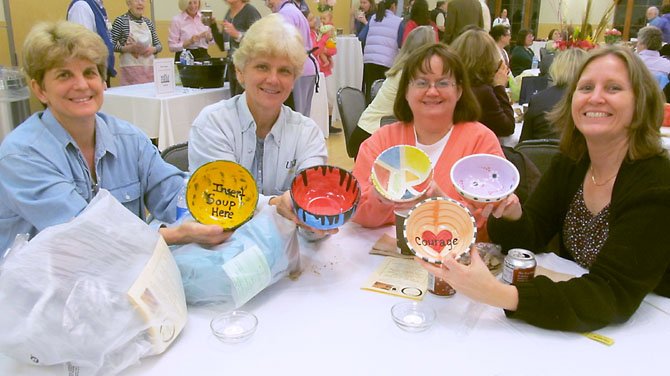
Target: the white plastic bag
(95, 294)
(258, 254)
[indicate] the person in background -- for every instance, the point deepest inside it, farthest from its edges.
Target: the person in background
(362, 16)
(649, 42)
(651, 14)
(502, 35)
(254, 128)
(92, 15)
(322, 33)
(548, 52)
(439, 16)
(437, 113)
(302, 5)
(488, 77)
(238, 19)
(300, 98)
(56, 161)
(563, 70)
(188, 32)
(522, 54)
(663, 22)
(461, 13)
(419, 16)
(486, 15)
(382, 105)
(381, 38)
(502, 19)
(134, 36)
(611, 180)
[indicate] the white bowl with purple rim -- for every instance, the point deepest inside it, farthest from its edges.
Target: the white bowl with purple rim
(484, 177)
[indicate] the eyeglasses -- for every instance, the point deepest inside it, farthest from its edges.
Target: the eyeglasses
(423, 84)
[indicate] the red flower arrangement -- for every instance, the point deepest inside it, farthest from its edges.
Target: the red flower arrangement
(584, 44)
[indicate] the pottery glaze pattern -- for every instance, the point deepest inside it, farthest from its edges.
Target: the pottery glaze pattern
(402, 173)
(325, 197)
(484, 177)
(222, 193)
(438, 226)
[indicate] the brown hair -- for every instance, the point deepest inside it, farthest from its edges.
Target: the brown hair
(50, 44)
(644, 129)
(480, 55)
(467, 107)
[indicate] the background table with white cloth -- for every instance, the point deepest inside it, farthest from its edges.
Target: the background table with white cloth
(536, 46)
(319, 109)
(348, 69)
(322, 323)
(167, 118)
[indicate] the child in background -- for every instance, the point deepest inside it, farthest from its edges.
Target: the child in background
(322, 33)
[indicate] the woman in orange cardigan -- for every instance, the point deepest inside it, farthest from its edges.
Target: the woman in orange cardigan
(437, 113)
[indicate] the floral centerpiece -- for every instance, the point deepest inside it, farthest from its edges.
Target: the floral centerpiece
(325, 5)
(586, 36)
(612, 36)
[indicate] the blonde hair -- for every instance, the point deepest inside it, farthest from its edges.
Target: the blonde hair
(272, 36)
(565, 66)
(480, 55)
(418, 37)
(183, 4)
(50, 44)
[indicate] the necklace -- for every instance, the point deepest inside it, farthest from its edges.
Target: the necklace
(593, 178)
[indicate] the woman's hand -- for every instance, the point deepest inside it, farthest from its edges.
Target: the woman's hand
(480, 210)
(230, 29)
(502, 75)
(509, 208)
(284, 208)
(474, 281)
(194, 232)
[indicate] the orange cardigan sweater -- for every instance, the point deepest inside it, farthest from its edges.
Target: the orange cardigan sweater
(465, 139)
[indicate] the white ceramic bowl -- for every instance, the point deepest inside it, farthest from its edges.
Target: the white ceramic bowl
(484, 177)
(234, 326)
(438, 226)
(413, 316)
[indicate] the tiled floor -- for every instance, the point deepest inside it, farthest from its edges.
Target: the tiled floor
(337, 151)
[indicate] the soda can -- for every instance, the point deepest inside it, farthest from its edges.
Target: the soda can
(439, 286)
(519, 266)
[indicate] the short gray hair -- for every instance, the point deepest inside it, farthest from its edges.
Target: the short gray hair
(651, 37)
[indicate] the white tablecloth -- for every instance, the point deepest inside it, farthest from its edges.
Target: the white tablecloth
(168, 118)
(324, 324)
(537, 45)
(319, 110)
(348, 69)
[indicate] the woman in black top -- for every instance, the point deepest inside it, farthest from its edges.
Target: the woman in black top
(522, 55)
(236, 22)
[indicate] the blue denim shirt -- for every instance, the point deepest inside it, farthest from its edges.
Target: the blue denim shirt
(46, 181)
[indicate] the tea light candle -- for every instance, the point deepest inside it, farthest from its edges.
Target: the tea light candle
(412, 319)
(233, 330)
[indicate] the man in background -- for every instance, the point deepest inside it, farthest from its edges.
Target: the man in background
(652, 15)
(461, 13)
(93, 16)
